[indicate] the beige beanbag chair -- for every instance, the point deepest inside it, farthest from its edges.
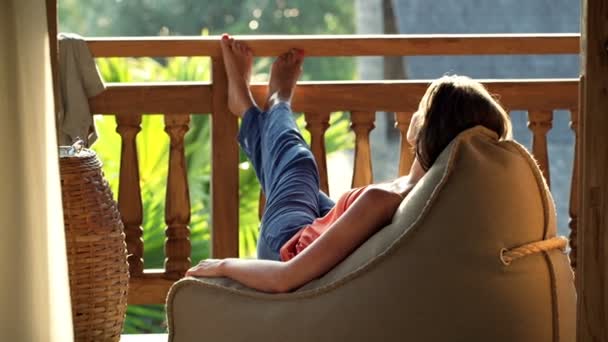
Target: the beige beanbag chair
(445, 269)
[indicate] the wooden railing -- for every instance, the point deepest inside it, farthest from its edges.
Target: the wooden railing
(539, 97)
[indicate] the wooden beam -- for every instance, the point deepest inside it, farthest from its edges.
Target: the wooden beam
(592, 264)
(149, 288)
(392, 96)
(152, 98)
(395, 96)
(144, 338)
(345, 45)
(224, 172)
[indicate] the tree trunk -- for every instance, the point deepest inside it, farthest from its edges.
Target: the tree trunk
(369, 21)
(394, 68)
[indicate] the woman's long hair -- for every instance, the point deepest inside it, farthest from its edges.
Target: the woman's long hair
(451, 105)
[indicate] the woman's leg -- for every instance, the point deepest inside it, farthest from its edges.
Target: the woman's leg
(287, 172)
(282, 160)
(291, 178)
(290, 174)
(249, 139)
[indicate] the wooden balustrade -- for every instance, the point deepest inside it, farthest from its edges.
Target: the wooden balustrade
(177, 207)
(540, 122)
(362, 125)
(317, 124)
(317, 100)
(129, 191)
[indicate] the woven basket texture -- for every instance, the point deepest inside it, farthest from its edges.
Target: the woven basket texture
(97, 256)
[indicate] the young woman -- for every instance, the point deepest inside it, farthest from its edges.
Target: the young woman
(303, 233)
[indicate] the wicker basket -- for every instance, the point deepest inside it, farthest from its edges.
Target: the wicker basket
(97, 259)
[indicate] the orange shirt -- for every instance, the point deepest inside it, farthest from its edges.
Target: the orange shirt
(309, 234)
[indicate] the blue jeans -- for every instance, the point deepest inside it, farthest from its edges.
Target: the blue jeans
(287, 172)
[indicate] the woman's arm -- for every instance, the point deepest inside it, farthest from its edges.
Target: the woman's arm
(262, 275)
(370, 212)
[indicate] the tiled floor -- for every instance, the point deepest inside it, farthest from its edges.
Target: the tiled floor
(144, 338)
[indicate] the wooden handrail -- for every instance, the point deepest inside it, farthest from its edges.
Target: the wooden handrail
(345, 45)
(176, 97)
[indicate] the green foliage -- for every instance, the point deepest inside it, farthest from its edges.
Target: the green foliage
(191, 17)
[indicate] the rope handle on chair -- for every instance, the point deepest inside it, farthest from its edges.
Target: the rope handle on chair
(509, 255)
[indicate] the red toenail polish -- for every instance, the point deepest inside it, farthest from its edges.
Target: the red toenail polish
(225, 36)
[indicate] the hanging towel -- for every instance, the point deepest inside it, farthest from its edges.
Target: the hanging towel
(80, 80)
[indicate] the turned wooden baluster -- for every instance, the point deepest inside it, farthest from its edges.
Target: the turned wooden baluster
(406, 154)
(540, 122)
(317, 124)
(129, 191)
(362, 125)
(177, 206)
(573, 205)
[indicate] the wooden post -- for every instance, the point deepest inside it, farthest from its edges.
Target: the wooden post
(177, 204)
(573, 203)
(592, 263)
(224, 174)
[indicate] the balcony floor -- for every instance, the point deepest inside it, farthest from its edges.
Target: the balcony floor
(144, 338)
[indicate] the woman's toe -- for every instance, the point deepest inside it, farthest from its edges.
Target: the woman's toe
(290, 57)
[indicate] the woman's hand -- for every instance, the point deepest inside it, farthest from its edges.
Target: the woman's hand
(207, 268)
(263, 275)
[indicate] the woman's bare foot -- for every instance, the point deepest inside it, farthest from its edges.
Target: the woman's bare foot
(284, 74)
(237, 60)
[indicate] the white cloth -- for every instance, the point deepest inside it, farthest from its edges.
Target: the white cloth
(34, 291)
(80, 81)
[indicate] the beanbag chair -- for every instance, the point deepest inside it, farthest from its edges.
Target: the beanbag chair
(471, 255)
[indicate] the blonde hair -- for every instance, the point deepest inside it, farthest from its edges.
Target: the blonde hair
(451, 105)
